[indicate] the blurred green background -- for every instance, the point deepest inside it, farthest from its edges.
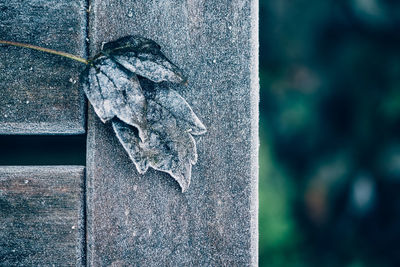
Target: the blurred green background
(329, 131)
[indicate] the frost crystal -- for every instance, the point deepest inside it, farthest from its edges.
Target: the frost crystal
(155, 125)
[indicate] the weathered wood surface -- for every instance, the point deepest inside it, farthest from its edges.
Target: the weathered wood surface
(144, 220)
(41, 216)
(39, 93)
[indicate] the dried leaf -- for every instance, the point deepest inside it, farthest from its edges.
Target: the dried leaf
(168, 148)
(130, 43)
(154, 125)
(143, 57)
(179, 109)
(128, 137)
(114, 92)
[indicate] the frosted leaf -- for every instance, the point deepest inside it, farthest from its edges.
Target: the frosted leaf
(114, 92)
(179, 109)
(130, 43)
(128, 137)
(168, 147)
(143, 57)
(155, 125)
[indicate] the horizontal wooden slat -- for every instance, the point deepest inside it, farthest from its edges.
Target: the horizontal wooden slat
(145, 220)
(39, 93)
(41, 216)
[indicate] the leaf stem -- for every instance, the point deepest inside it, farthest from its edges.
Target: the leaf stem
(47, 50)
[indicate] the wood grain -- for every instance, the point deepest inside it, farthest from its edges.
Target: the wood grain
(41, 216)
(40, 93)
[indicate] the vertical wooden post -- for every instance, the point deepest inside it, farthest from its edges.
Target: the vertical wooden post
(144, 220)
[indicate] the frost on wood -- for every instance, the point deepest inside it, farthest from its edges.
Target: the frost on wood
(154, 123)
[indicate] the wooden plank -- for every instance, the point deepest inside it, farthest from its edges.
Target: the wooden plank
(40, 93)
(41, 216)
(144, 220)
